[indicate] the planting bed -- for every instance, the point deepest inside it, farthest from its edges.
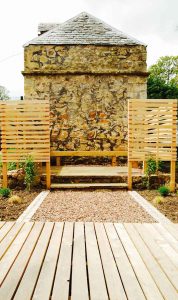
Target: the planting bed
(169, 207)
(91, 205)
(10, 212)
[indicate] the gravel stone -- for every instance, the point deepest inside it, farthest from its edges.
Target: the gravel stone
(91, 206)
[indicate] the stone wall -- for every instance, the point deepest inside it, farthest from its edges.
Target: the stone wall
(85, 59)
(88, 88)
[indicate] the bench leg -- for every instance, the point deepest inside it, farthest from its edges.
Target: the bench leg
(58, 161)
(48, 175)
(130, 175)
(114, 161)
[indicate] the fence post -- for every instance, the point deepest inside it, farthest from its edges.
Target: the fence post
(173, 176)
(129, 175)
(48, 175)
(4, 173)
(58, 161)
(144, 167)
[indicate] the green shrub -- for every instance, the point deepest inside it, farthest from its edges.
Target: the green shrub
(5, 192)
(164, 191)
(160, 166)
(21, 165)
(151, 168)
(11, 166)
(29, 172)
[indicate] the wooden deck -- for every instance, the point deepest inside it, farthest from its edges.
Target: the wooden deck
(88, 261)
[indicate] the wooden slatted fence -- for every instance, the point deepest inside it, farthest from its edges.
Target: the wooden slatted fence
(25, 131)
(152, 132)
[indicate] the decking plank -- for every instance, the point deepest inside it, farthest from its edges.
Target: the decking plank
(79, 270)
(29, 279)
(172, 228)
(161, 258)
(12, 252)
(145, 279)
(113, 280)
(82, 261)
(130, 282)
(5, 229)
(46, 277)
(164, 285)
(9, 238)
(163, 244)
(1, 224)
(97, 285)
(168, 236)
(13, 278)
(63, 272)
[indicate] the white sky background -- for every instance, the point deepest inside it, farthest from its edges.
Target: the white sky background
(155, 22)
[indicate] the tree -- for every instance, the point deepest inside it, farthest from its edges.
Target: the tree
(3, 93)
(163, 78)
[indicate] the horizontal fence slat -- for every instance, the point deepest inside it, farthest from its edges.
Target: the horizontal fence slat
(25, 130)
(152, 129)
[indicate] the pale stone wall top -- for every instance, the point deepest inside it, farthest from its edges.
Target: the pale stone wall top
(85, 59)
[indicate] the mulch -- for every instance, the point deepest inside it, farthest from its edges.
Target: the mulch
(169, 207)
(10, 212)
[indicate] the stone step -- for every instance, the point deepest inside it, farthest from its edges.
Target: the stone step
(88, 185)
(91, 171)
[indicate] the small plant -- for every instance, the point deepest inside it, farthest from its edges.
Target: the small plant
(151, 168)
(164, 191)
(15, 200)
(30, 173)
(160, 166)
(5, 192)
(158, 200)
(12, 166)
(21, 165)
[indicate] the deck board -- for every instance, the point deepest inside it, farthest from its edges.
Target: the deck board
(164, 261)
(29, 279)
(160, 278)
(82, 261)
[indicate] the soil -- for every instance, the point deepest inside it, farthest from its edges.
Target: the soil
(92, 206)
(169, 207)
(10, 212)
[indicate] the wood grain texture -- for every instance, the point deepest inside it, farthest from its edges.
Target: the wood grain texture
(96, 261)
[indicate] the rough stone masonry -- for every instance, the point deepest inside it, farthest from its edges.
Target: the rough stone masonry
(88, 70)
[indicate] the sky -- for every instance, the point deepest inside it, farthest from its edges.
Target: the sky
(154, 22)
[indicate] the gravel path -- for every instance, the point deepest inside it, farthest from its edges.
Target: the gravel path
(91, 205)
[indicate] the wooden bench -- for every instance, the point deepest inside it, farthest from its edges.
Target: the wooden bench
(113, 154)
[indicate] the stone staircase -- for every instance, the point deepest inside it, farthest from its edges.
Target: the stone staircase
(89, 177)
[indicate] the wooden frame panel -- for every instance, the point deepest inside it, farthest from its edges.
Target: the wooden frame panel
(152, 132)
(25, 129)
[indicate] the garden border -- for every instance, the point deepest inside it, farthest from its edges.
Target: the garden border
(32, 208)
(157, 215)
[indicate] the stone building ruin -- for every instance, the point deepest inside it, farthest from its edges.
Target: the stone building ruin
(88, 70)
